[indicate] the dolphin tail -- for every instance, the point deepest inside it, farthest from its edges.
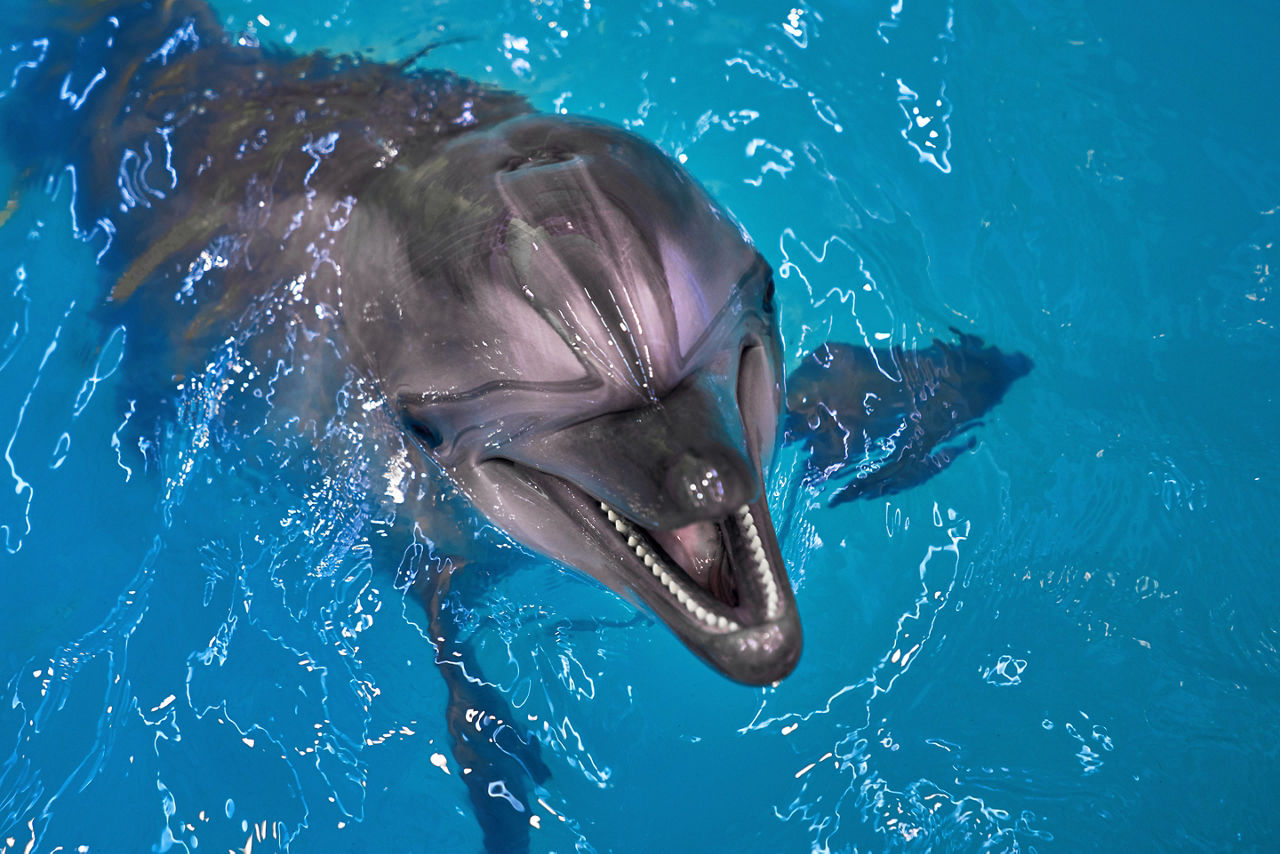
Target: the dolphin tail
(500, 763)
(885, 419)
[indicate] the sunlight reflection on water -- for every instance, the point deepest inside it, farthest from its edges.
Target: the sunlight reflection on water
(214, 637)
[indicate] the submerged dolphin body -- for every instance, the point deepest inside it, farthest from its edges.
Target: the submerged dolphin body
(568, 327)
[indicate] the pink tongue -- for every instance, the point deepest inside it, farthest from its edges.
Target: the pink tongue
(696, 548)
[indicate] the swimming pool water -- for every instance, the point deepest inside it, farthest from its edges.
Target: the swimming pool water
(1068, 641)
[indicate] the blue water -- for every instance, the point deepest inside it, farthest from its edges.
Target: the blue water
(1068, 641)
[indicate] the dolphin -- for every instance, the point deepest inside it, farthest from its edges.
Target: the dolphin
(559, 318)
(617, 404)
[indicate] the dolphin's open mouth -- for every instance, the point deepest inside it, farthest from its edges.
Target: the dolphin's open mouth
(719, 584)
(710, 568)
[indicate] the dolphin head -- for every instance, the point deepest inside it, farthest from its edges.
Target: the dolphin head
(586, 344)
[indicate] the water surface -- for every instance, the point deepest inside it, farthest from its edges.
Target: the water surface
(1068, 641)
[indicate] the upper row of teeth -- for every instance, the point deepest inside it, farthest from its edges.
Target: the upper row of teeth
(678, 590)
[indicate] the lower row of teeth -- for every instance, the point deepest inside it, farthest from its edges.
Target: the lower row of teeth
(668, 580)
(756, 546)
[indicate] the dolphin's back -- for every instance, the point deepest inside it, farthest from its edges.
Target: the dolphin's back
(164, 116)
(208, 168)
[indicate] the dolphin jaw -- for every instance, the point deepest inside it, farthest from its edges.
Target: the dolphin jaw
(755, 638)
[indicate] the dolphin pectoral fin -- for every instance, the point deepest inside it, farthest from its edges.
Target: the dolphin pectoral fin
(884, 419)
(499, 764)
(905, 473)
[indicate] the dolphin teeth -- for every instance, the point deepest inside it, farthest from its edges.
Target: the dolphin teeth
(684, 596)
(756, 546)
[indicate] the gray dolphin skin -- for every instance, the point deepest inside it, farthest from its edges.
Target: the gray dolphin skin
(603, 376)
(560, 320)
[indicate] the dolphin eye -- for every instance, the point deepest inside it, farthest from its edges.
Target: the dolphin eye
(429, 436)
(768, 293)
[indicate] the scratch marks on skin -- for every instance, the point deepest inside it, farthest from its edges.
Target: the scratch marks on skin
(630, 355)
